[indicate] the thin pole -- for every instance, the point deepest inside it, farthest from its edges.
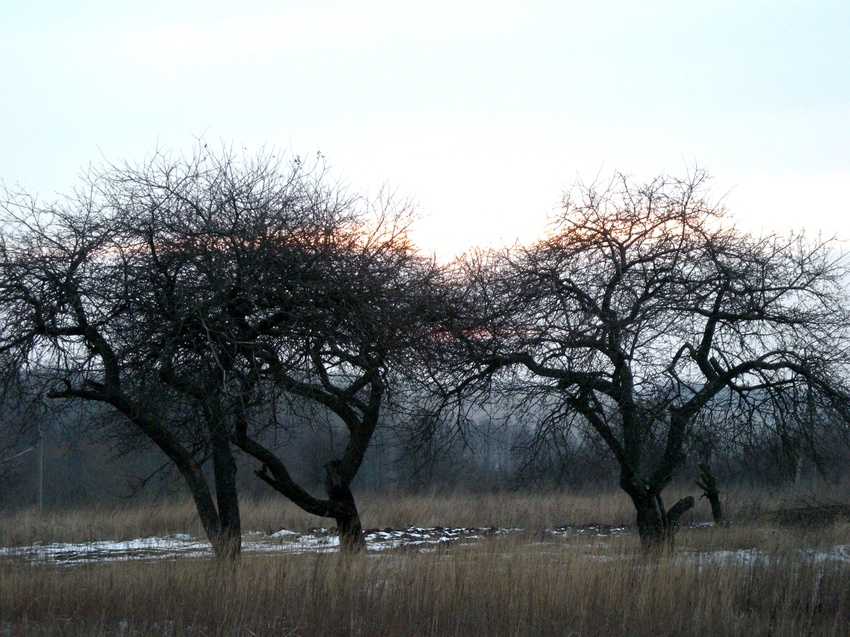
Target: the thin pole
(40, 469)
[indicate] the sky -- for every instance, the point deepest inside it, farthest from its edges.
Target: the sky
(483, 113)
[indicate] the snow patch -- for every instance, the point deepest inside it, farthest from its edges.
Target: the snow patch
(413, 538)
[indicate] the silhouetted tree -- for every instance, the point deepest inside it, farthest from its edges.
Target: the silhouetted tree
(643, 310)
(198, 295)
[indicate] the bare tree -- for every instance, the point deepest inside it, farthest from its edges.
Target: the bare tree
(343, 336)
(187, 293)
(74, 323)
(644, 310)
(204, 296)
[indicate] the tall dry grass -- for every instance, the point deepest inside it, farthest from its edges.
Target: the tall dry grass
(491, 588)
(754, 577)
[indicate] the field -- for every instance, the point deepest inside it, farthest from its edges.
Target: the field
(505, 564)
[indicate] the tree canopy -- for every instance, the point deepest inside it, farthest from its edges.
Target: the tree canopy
(642, 310)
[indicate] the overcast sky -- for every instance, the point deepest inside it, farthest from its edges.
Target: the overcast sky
(482, 111)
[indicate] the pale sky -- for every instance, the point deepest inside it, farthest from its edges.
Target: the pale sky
(481, 111)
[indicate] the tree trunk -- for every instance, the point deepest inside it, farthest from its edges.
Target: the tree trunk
(347, 518)
(227, 497)
(222, 528)
(671, 519)
(225, 544)
(656, 526)
(650, 525)
(350, 532)
(708, 483)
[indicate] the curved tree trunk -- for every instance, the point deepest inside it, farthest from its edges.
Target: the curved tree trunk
(340, 504)
(345, 512)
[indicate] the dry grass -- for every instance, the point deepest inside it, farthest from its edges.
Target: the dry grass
(488, 589)
(530, 511)
(131, 520)
(527, 584)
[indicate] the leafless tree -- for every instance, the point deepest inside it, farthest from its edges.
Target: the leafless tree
(342, 334)
(645, 309)
(201, 295)
(75, 322)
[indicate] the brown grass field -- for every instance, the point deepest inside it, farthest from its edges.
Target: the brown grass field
(761, 575)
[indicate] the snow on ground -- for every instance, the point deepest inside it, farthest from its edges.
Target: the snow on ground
(413, 538)
(283, 541)
(837, 553)
(110, 551)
